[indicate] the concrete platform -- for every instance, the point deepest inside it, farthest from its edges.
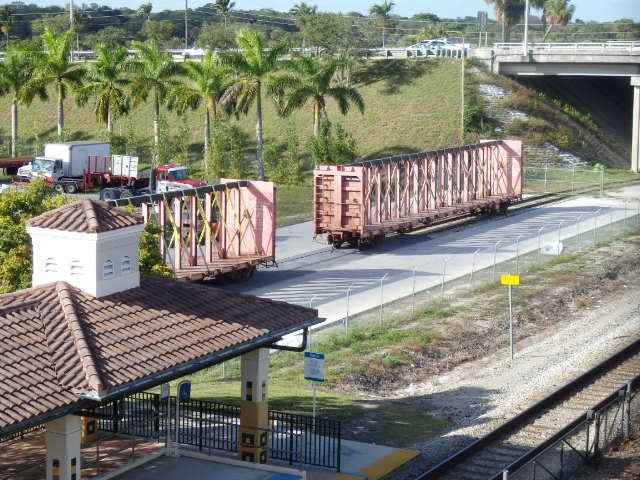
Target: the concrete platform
(359, 461)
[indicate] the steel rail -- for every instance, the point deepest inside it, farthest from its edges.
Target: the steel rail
(565, 431)
(531, 413)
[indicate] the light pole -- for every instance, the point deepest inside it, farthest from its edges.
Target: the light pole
(186, 25)
(71, 25)
(525, 41)
(462, 57)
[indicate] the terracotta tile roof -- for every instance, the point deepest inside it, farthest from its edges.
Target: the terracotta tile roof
(56, 340)
(87, 216)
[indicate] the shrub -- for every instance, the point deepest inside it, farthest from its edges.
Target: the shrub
(331, 148)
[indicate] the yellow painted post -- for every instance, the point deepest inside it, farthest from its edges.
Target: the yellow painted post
(510, 280)
(254, 407)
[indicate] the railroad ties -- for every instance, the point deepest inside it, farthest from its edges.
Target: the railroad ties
(573, 411)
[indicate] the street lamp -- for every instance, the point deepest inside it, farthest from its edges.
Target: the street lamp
(462, 57)
(186, 26)
(525, 40)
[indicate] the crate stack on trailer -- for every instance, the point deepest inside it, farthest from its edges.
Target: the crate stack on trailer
(361, 202)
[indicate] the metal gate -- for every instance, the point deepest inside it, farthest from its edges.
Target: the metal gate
(212, 426)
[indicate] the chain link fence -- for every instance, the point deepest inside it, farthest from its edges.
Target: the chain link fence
(433, 283)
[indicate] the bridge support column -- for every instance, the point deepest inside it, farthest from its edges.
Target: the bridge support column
(635, 134)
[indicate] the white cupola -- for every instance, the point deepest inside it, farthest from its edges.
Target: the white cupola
(89, 245)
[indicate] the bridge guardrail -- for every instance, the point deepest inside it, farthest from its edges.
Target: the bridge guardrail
(586, 47)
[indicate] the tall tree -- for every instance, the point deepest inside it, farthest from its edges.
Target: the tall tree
(6, 19)
(106, 81)
(144, 10)
(255, 66)
(15, 248)
(304, 14)
(208, 81)
(557, 12)
(154, 74)
(382, 13)
(223, 8)
(508, 13)
(54, 66)
(16, 73)
(313, 80)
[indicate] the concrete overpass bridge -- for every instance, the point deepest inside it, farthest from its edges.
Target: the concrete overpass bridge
(614, 64)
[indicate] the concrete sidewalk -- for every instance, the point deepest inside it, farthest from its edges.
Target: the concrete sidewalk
(359, 461)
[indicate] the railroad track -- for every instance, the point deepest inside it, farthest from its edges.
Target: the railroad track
(519, 440)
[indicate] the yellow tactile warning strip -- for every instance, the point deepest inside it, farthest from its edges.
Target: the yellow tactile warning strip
(382, 467)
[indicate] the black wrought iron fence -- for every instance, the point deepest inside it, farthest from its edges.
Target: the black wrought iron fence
(213, 426)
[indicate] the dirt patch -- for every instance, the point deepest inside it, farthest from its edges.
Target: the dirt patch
(622, 463)
(477, 324)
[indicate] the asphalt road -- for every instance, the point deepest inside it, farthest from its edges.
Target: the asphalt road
(310, 273)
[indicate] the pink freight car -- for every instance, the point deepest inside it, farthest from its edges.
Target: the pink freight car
(221, 231)
(361, 202)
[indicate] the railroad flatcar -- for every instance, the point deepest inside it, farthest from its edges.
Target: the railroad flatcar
(361, 202)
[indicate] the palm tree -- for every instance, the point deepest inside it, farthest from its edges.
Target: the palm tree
(106, 81)
(557, 12)
(153, 72)
(255, 66)
(223, 8)
(54, 66)
(208, 81)
(144, 10)
(508, 13)
(16, 71)
(313, 80)
(303, 13)
(381, 12)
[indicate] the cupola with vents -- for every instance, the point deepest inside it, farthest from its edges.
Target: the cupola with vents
(87, 244)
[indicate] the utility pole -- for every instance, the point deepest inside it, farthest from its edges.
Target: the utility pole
(462, 94)
(71, 26)
(525, 42)
(186, 25)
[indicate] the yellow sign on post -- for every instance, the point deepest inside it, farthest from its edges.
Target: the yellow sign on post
(510, 279)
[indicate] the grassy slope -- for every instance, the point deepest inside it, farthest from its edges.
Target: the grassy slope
(409, 107)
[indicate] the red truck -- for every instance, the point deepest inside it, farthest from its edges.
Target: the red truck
(75, 166)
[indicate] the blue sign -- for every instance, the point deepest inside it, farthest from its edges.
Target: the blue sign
(314, 366)
(184, 391)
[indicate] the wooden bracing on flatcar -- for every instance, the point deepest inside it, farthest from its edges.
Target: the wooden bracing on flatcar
(211, 231)
(370, 198)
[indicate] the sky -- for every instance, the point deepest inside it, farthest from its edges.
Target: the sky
(587, 10)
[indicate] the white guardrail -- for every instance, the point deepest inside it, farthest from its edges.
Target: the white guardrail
(583, 47)
(631, 47)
